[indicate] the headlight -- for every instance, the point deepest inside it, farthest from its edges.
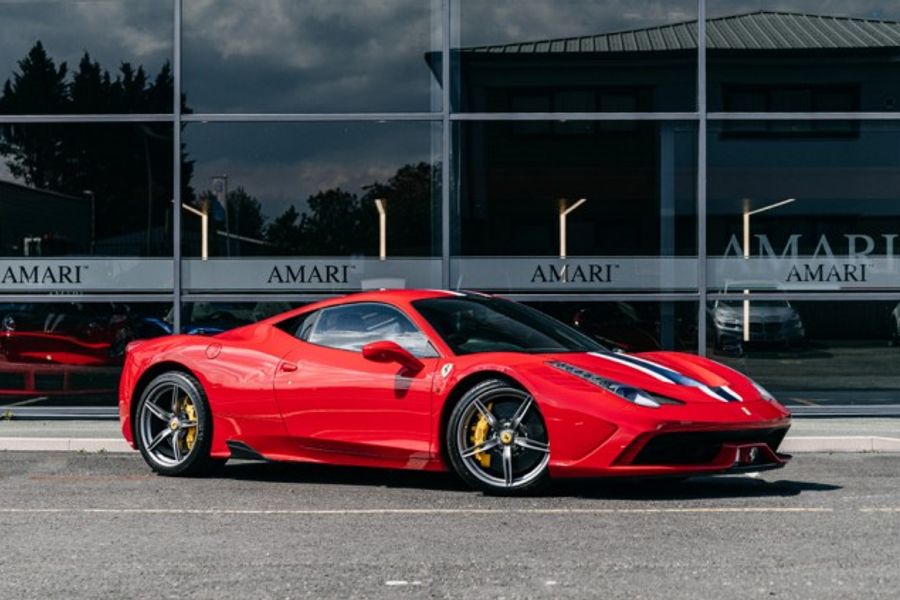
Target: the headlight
(626, 392)
(764, 393)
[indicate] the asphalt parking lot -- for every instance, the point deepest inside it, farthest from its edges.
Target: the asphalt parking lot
(100, 525)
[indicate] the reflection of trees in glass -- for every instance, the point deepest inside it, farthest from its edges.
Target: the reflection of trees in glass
(126, 168)
(245, 214)
(341, 223)
(338, 222)
(122, 166)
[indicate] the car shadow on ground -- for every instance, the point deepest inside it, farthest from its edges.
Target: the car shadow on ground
(301, 473)
(695, 488)
(660, 489)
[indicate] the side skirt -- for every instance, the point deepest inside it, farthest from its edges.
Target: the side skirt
(242, 451)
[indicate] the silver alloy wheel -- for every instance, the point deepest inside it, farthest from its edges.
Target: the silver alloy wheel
(515, 436)
(168, 424)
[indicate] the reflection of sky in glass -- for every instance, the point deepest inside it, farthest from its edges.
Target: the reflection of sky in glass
(866, 9)
(136, 31)
(841, 176)
(311, 56)
(507, 21)
(283, 164)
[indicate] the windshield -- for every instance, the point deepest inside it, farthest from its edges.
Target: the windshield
(471, 325)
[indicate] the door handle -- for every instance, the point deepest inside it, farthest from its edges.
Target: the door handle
(288, 367)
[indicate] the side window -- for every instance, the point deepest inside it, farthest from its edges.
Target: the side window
(353, 326)
(301, 325)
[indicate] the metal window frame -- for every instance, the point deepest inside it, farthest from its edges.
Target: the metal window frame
(447, 117)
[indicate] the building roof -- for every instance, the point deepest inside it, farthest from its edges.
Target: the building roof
(763, 30)
(25, 190)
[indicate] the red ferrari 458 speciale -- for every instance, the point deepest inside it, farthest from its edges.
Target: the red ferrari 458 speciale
(426, 379)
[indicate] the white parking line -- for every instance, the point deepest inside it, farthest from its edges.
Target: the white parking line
(24, 402)
(417, 511)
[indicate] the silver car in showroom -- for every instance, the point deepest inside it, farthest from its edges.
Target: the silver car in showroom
(771, 321)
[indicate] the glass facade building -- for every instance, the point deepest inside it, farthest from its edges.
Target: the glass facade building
(714, 176)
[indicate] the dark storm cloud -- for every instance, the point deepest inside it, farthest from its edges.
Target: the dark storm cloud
(507, 21)
(136, 31)
(310, 56)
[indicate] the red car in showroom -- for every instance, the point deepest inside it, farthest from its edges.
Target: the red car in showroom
(435, 380)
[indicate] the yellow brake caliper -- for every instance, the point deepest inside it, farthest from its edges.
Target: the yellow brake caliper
(191, 435)
(479, 436)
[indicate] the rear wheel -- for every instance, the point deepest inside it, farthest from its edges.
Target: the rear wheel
(173, 426)
(497, 440)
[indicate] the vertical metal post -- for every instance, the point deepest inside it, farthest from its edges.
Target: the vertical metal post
(701, 175)
(447, 133)
(381, 206)
(564, 210)
(176, 173)
(746, 302)
(667, 216)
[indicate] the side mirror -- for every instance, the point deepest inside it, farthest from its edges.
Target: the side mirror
(385, 352)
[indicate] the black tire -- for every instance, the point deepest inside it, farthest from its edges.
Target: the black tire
(147, 424)
(534, 472)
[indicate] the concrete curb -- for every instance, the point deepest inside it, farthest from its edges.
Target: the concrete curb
(791, 445)
(849, 443)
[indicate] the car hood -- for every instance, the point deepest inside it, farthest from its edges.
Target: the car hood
(685, 377)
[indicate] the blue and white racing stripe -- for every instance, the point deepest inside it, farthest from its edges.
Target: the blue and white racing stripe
(667, 375)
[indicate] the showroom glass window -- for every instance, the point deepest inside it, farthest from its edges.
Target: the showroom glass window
(583, 56)
(86, 189)
(624, 190)
(284, 56)
(803, 55)
(813, 205)
(798, 208)
(347, 200)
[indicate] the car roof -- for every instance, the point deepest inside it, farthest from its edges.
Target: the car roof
(396, 296)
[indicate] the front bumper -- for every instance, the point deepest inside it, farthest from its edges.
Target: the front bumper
(674, 449)
(762, 332)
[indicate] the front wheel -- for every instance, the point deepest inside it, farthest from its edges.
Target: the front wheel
(497, 440)
(173, 426)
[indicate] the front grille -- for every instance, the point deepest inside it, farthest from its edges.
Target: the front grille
(49, 382)
(697, 448)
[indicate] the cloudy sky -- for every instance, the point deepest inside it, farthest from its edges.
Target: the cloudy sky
(325, 56)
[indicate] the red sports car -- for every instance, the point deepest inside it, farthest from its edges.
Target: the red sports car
(418, 379)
